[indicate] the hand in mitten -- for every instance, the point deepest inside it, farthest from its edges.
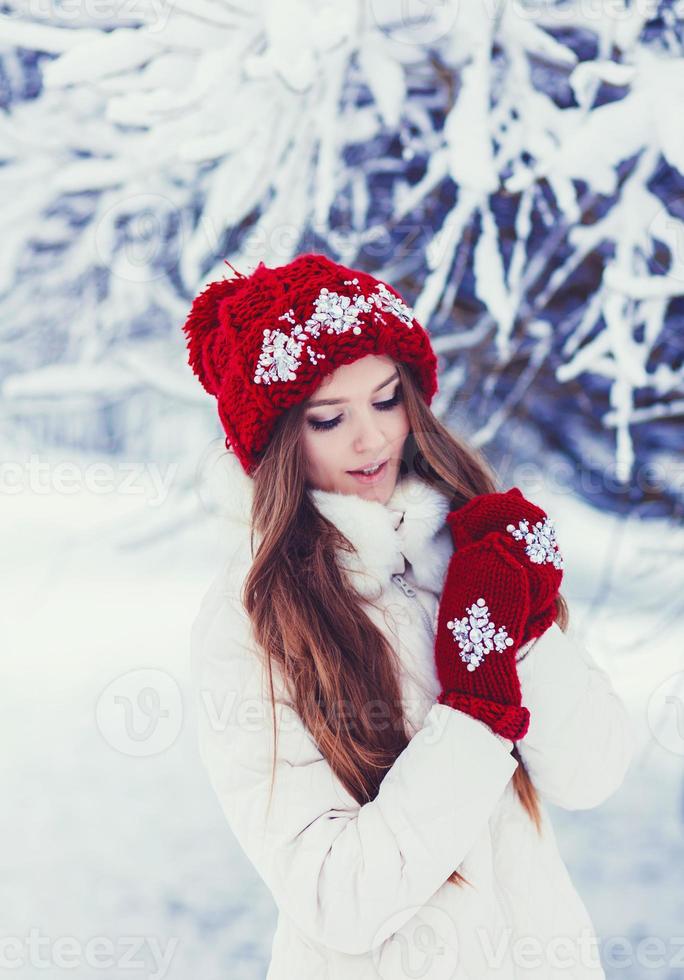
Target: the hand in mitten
(483, 610)
(531, 538)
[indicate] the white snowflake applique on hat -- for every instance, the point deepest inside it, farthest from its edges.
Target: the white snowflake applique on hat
(476, 635)
(386, 300)
(540, 541)
(281, 352)
(334, 313)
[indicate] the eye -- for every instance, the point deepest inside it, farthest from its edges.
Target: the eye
(391, 402)
(324, 425)
(381, 407)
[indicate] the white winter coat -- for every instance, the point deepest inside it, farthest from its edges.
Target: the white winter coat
(361, 890)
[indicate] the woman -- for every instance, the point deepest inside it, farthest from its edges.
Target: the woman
(381, 755)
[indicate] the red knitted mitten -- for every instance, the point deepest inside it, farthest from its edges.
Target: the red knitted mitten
(531, 538)
(480, 622)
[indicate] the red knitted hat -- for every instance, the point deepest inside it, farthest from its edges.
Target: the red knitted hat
(264, 342)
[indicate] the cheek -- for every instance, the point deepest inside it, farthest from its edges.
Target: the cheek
(400, 425)
(311, 450)
(320, 452)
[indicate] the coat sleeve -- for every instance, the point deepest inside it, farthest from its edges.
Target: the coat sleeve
(580, 740)
(348, 875)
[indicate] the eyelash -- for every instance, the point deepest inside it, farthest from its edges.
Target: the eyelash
(381, 407)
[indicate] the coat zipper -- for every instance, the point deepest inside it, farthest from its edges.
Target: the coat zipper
(409, 591)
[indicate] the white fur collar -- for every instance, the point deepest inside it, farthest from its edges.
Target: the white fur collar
(409, 527)
(384, 541)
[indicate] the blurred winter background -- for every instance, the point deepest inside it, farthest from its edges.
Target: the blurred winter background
(517, 171)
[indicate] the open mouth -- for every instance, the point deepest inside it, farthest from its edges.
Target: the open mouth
(370, 474)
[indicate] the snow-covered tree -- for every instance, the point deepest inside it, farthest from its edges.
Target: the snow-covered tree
(516, 169)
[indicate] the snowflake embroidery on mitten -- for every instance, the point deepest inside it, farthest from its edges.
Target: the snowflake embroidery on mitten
(476, 635)
(540, 542)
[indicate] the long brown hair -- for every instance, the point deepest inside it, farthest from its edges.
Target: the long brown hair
(310, 622)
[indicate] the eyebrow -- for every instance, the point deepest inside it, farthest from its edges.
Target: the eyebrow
(337, 401)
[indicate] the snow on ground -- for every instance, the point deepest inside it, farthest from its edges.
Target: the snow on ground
(118, 861)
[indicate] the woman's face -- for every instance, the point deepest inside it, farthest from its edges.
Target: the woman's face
(362, 422)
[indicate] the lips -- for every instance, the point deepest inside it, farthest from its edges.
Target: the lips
(368, 466)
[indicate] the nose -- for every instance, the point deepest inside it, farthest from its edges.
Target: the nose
(369, 437)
